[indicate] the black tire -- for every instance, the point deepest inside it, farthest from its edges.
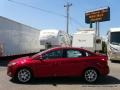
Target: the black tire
(90, 75)
(23, 75)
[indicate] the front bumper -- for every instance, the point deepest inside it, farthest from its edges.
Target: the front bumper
(10, 71)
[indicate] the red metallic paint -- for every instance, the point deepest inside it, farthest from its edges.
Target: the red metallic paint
(59, 66)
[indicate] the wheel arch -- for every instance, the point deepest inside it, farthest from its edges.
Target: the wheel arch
(25, 67)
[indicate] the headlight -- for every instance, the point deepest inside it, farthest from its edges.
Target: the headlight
(11, 64)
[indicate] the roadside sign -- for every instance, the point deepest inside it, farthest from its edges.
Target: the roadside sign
(99, 15)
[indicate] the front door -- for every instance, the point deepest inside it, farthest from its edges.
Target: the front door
(47, 67)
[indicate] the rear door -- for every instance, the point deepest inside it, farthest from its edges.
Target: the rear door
(71, 63)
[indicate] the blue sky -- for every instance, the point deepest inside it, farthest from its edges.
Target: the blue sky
(43, 20)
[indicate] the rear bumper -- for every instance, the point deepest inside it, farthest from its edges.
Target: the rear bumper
(105, 70)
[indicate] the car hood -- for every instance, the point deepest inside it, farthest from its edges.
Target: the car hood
(22, 59)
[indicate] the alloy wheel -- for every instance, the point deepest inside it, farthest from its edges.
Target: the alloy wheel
(24, 75)
(90, 75)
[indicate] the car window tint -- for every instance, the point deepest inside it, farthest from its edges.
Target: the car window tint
(74, 53)
(53, 54)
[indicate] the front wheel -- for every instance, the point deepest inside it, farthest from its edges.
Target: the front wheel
(23, 75)
(90, 75)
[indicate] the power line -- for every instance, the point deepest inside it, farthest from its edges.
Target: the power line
(47, 11)
(43, 10)
(75, 21)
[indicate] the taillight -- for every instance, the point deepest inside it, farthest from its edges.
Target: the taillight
(103, 59)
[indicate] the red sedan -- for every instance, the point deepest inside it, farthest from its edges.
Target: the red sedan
(60, 62)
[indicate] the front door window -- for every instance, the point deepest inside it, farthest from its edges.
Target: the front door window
(53, 55)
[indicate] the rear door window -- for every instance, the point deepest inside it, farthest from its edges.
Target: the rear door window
(74, 53)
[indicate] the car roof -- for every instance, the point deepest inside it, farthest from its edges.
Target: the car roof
(56, 48)
(68, 48)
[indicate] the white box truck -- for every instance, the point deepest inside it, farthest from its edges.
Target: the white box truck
(17, 38)
(86, 38)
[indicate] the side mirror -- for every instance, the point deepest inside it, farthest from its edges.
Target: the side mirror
(40, 57)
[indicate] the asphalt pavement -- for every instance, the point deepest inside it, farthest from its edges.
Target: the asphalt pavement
(110, 82)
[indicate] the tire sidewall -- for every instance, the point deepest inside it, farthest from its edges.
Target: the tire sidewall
(17, 78)
(93, 80)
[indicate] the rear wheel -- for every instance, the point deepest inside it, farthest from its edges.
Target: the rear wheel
(90, 75)
(24, 75)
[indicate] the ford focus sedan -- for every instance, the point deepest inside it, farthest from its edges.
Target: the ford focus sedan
(59, 62)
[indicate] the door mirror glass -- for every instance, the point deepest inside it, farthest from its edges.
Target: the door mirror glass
(40, 57)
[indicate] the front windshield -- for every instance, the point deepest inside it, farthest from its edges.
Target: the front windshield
(34, 56)
(40, 53)
(115, 38)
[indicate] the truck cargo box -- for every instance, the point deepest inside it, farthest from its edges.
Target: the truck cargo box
(17, 38)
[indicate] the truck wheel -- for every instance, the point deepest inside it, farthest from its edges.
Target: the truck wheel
(24, 75)
(90, 75)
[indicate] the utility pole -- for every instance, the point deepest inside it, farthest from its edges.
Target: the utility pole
(67, 16)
